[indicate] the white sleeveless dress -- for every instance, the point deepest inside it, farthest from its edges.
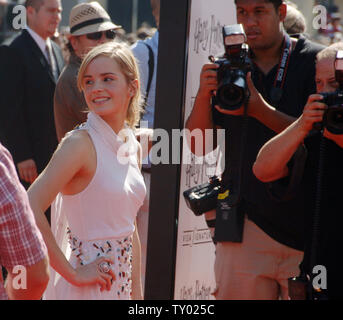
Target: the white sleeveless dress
(99, 221)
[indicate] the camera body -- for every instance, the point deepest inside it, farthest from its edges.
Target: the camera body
(333, 116)
(203, 198)
(232, 90)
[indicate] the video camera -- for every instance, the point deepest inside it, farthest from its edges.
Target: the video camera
(333, 116)
(232, 90)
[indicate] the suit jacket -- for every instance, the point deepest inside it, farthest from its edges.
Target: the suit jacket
(26, 100)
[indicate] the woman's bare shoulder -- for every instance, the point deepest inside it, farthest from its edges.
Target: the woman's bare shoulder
(76, 141)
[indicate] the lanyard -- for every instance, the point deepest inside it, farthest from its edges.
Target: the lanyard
(276, 91)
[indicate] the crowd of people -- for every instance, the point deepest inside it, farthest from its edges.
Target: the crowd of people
(74, 192)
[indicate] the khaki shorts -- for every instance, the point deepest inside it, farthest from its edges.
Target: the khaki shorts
(256, 269)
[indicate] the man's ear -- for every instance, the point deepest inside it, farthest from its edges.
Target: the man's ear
(282, 11)
(30, 11)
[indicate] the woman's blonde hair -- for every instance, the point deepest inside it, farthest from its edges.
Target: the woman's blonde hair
(122, 54)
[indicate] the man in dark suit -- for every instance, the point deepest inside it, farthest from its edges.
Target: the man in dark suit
(29, 70)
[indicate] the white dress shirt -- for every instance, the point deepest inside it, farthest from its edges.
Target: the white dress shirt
(141, 53)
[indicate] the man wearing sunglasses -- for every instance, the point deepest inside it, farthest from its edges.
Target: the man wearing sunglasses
(90, 25)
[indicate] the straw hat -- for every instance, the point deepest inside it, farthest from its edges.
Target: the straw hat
(88, 18)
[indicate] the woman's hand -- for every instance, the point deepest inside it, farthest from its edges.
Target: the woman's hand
(91, 274)
(27, 170)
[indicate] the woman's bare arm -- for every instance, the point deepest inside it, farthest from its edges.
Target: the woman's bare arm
(70, 157)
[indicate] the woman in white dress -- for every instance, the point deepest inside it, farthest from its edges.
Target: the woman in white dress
(94, 185)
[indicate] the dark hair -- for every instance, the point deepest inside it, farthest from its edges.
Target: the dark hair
(36, 4)
(276, 3)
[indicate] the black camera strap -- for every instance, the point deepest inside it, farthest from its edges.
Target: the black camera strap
(230, 212)
(317, 211)
(277, 89)
(311, 248)
(151, 73)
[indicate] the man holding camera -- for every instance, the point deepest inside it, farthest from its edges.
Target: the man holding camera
(282, 77)
(320, 153)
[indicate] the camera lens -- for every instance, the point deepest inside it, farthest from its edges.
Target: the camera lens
(338, 118)
(231, 97)
(232, 91)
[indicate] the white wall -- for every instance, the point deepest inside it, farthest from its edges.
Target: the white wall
(194, 274)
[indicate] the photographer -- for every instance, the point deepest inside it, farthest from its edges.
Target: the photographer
(280, 156)
(270, 250)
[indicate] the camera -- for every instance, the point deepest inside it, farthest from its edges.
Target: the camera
(333, 115)
(232, 90)
(203, 198)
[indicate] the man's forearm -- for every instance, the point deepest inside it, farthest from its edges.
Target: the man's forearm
(31, 293)
(29, 285)
(201, 115)
(272, 159)
(272, 118)
(200, 119)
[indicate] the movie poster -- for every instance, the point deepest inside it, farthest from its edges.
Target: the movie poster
(194, 274)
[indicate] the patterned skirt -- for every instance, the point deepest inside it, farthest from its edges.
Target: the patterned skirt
(85, 252)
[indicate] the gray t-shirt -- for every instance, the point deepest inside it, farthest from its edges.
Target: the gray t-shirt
(69, 103)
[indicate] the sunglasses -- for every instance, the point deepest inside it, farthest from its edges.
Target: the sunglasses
(109, 34)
